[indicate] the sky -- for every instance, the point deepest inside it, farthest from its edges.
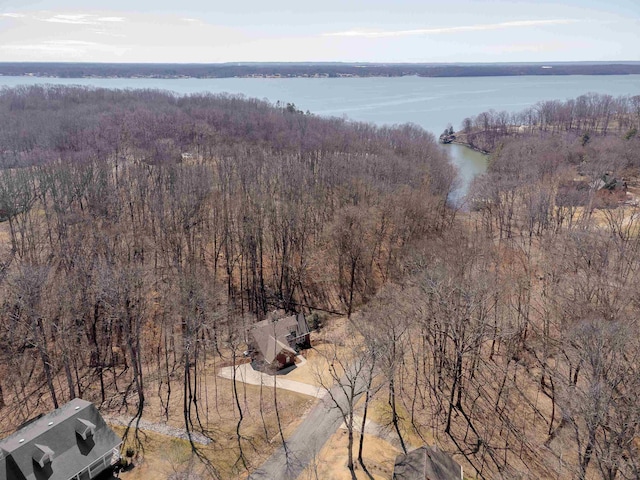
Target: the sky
(199, 31)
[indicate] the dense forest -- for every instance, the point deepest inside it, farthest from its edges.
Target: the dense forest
(146, 231)
(590, 114)
(226, 70)
(143, 232)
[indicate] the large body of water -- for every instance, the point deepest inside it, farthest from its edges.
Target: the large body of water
(431, 103)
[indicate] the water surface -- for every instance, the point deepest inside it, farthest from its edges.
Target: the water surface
(469, 162)
(431, 103)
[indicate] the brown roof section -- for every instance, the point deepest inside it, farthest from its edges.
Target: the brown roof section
(271, 338)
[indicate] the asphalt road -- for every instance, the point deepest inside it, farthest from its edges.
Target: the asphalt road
(307, 441)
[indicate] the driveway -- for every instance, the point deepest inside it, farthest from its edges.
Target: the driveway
(307, 441)
(377, 430)
(246, 374)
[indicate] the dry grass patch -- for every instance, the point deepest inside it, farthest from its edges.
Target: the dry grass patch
(379, 457)
(163, 457)
(380, 413)
(315, 371)
(219, 415)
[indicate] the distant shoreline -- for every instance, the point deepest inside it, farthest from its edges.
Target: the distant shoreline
(311, 70)
(454, 139)
(470, 147)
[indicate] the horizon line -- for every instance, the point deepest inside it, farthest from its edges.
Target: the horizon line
(318, 62)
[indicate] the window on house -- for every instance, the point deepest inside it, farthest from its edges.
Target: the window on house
(85, 428)
(42, 455)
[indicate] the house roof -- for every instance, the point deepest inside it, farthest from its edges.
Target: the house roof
(426, 463)
(55, 434)
(271, 338)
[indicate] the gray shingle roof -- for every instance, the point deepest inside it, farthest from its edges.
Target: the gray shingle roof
(426, 463)
(55, 434)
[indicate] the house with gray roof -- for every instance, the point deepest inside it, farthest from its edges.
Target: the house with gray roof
(276, 343)
(72, 442)
(426, 463)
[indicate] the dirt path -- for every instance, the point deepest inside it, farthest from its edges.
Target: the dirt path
(158, 427)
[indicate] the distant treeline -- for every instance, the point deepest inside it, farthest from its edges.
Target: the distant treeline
(225, 70)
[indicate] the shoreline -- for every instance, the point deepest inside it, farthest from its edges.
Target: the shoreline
(464, 144)
(455, 139)
(174, 70)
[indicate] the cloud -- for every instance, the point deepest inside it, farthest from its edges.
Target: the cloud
(446, 30)
(79, 19)
(76, 49)
(111, 19)
(77, 43)
(72, 19)
(106, 33)
(54, 45)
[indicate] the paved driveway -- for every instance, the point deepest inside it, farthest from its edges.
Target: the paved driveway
(307, 441)
(246, 374)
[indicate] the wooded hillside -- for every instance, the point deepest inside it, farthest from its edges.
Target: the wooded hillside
(143, 232)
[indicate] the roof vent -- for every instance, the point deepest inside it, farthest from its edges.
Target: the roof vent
(85, 428)
(42, 455)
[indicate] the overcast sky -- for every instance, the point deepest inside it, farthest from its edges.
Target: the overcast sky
(321, 30)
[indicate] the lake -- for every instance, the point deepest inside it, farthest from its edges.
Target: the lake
(431, 103)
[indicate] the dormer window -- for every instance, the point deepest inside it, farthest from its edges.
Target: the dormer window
(85, 428)
(42, 455)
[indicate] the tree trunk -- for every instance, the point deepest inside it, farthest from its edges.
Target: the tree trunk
(394, 412)
(350, 445)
